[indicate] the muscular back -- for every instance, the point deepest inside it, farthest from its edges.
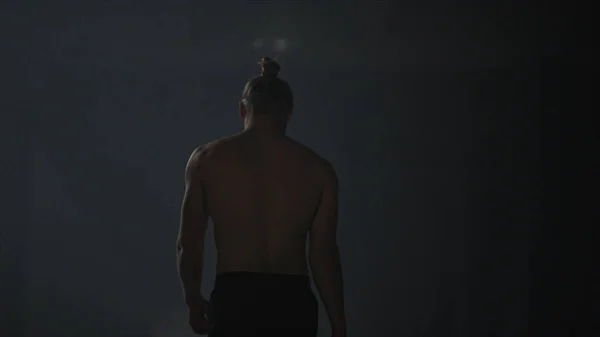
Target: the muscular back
(262, 196)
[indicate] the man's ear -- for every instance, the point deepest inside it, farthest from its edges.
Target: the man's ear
(243, 112)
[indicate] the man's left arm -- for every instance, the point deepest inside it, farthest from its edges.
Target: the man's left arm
(192, 230)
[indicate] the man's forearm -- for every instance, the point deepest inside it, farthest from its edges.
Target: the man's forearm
(327, 273)
(190, 265)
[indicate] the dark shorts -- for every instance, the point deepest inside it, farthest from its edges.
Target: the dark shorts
(245, 304)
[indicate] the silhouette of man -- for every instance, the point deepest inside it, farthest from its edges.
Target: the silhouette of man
(265, 194)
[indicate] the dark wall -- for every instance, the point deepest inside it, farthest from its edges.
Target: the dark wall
(14, 218)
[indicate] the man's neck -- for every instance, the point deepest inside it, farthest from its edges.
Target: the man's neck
(265, 128)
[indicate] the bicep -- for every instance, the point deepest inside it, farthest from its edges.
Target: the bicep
(194, 217)
(192, 206)
(323, 231)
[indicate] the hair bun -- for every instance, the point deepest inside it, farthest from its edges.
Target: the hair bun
(268, 67)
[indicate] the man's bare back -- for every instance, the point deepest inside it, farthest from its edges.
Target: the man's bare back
(262, 195)
(266, 194)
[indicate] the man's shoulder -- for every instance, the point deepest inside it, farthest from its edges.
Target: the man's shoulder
(205, 153)
(213, 147)
(201, 152)
(319, 161)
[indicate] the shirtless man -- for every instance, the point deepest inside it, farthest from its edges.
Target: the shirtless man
(265, 194)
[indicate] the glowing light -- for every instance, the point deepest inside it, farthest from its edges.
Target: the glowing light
(277, 45)
(280, 45)
(259, 43)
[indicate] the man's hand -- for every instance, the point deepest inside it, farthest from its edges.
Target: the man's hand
(198, 319)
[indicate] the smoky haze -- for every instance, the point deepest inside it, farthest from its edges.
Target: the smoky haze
(428, 115)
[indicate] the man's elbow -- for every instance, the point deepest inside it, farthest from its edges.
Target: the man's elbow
(323, 253)
(184, 247)
(188, 246)
(179, 245)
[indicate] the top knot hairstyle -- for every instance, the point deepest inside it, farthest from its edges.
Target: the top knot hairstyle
(267, 93)
(269, 68)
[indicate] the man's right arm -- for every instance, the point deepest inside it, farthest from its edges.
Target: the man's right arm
(324, 256)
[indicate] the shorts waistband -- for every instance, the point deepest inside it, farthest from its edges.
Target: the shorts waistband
(261, 280)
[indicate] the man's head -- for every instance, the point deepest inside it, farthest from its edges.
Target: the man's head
(267, 96)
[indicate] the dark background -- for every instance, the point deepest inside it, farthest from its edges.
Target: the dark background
(436, 117)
